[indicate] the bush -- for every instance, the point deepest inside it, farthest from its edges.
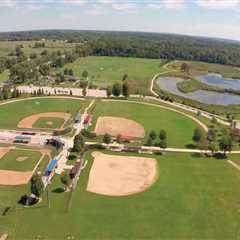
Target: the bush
(86, 133)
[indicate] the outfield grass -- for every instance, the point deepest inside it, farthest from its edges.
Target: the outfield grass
(12, 161)
(49, 122)
(12, 113)
(179, 128)
(105, 71)
(193, 198)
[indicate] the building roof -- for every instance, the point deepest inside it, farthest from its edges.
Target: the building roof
(52, 165)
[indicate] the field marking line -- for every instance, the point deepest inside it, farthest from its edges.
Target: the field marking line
(164, 107)
(234, 164)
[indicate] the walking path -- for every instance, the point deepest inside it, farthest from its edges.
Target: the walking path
(63, 156)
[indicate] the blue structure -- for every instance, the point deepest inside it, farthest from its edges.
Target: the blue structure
(51, 166)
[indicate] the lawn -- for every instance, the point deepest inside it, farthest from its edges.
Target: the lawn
(20, 160)
(4, 76)
(179, 128)
(105, 71)
(49, 122)
(193, 198)
(12, 113)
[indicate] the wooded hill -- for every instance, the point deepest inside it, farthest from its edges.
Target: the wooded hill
(145, 45)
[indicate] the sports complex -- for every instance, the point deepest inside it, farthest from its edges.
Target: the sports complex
(116, 187)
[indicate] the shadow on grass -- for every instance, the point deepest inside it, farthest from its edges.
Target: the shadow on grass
(190, 146)
(220, 156)
(58, 190)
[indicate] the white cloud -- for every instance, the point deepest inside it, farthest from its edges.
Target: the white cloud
(124, 6)
(75, 2)
(219, 4)
(95, 10)
(169, 4)
(7, 3)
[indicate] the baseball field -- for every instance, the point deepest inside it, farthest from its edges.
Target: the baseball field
(25, 112)
(193, 197)
(178, 127)
(121, 195)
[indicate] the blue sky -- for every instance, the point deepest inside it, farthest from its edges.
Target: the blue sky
(213, 18)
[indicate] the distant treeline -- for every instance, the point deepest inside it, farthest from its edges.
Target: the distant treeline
(143, 45)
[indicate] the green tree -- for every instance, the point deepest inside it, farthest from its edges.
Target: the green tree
(226, 144)
(85, 74)
(163, 144)
(109, 91)
(153, 135)
(125, 77)
(125, 89)
(163, 135)
(107, 138)
(116, 90)
(197, 135)
(78, 143)
(66, 180)
(36, 185)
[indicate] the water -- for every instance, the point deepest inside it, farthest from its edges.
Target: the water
(169, 84)
(218, 80)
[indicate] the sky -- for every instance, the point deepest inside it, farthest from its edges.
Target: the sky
(211, 18)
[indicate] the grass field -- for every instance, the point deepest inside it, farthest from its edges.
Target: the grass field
(179, 128)
(105, 71)
(193, 198)
(49, 122)
(200, 68)
(20, 160)
(12, 113)
(4, 76)
(8, 47)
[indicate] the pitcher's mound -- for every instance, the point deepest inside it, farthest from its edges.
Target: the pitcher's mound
(121, 175)
(116, 126)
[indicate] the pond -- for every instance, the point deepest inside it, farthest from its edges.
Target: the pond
(218, 80)
(169, 84)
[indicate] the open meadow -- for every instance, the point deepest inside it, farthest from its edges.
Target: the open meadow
(105, 71)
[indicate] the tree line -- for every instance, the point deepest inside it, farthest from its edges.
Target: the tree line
(144, 45)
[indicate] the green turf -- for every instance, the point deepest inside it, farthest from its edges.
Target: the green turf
(10, 160)
(44, 122)
(193, 198)
(104, 71)
(12, 113)
(179, 128)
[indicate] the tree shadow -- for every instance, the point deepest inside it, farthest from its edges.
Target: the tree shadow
(220, 156)
(197, 155)
(58, 190)
(190, 146)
